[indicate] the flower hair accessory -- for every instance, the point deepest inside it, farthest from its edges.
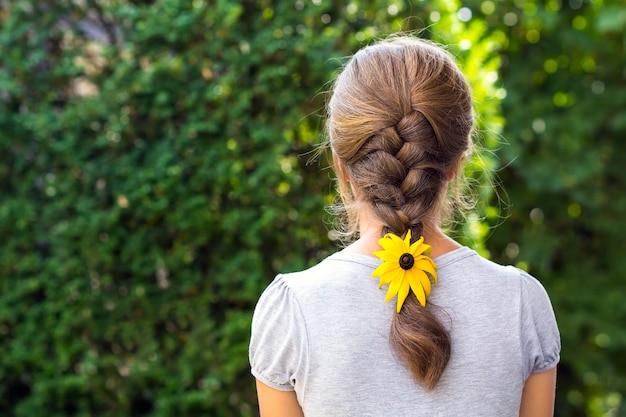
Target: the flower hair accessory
(405, 267)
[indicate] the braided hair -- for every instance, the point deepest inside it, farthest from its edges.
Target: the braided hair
(399, 121)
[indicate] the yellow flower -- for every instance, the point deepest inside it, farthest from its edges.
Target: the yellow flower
(405, 267)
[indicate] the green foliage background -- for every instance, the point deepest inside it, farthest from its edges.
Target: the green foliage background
(154, 177)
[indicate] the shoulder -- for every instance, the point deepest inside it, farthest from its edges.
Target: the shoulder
(296, 309)
(465, 269)
(340, 270)
(467, 278)
(335, 275)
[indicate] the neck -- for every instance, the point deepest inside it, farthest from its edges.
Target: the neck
(370, 231)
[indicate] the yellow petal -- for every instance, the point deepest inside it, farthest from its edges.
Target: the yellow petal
(417, 243)
(385, 268)
(386, 256)
(392, 243)
(420, 247)
(426, 264)
(397, 274)
(407, 240)
(419, 277)
(419, 292)
(394, 286)
(390, 276)
(403, 291)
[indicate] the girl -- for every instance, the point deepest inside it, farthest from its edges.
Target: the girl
(462, 336)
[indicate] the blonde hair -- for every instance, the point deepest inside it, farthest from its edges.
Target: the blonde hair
(399, 124)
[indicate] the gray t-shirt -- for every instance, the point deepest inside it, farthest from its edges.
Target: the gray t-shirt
(324, 332)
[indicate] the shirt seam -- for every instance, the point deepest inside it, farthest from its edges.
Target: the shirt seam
(305, 372)
(374, 261)
(520, 319)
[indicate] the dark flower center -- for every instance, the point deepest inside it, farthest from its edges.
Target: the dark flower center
(406, 261)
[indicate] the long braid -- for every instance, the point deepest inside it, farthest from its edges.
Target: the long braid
(400, 119)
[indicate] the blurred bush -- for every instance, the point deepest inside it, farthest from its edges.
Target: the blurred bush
(155, 175)
(564, 72)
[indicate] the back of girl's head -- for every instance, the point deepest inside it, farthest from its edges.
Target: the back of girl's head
(399, 121)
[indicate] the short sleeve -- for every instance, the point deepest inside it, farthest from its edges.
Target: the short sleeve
(278, 343)
(541, 342)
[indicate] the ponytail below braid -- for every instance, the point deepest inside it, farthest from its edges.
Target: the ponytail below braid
(421, 341)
